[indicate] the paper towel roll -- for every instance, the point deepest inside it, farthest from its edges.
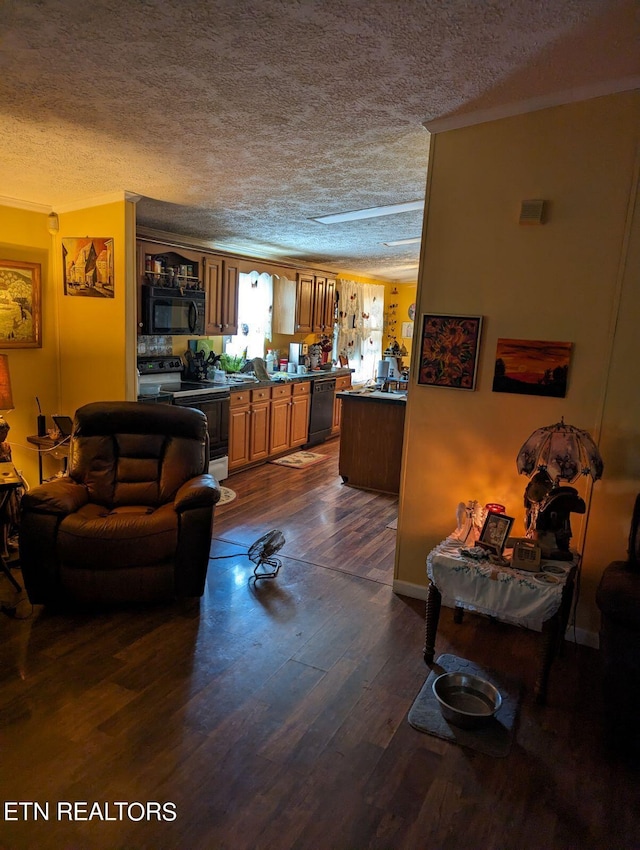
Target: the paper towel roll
(383, 369)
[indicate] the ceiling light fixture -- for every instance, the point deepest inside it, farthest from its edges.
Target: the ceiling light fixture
(397, 242)
(372, 212)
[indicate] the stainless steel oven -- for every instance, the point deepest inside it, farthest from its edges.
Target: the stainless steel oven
(211, 398)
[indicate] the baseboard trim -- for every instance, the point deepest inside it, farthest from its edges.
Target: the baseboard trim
(583, 637)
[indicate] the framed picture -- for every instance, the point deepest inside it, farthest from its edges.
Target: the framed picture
(87, 264)
(20, 306)
(494, 532)
(532, 367)
(449, 350)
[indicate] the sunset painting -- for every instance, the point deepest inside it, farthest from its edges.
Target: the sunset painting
(532, 367)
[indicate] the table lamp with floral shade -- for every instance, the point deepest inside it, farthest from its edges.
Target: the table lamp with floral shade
(551, 455)
(6, 403)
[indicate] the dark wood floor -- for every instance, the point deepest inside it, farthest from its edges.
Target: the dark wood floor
(275, 715)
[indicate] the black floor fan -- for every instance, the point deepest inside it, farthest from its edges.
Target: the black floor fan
(261, 553)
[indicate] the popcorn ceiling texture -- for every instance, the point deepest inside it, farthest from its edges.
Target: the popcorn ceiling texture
(239, 121)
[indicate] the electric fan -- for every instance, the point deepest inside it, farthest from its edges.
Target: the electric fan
(262, 551)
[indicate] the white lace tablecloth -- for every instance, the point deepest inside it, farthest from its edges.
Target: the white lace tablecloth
(513, 596)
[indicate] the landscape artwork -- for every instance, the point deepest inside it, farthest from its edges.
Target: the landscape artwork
(87, 264)
(20, 310)
(449, 350)
(532, 367)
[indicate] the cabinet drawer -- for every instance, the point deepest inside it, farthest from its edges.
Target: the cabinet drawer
(303, 388)
(263, 394)
(281, 391)
(343, 383)
(240, 398)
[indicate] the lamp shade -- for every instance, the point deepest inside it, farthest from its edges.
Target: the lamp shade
(562, 451)
(6, 399)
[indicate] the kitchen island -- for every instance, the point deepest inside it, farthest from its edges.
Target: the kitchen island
(371, 439)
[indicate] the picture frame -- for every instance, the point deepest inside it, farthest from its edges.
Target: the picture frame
(495, 532)
(20, 304)
(449, 348)
(532, 367)
(88, 267)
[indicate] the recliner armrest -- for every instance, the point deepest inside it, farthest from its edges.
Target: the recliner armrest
(60, 496)
(199, 492)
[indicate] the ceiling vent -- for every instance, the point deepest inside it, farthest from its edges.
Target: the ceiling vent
(532, 211)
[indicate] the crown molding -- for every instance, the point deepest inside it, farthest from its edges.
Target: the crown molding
(508, 110)
(19, 204)
(98, 201)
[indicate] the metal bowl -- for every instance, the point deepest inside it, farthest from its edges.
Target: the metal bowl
(466, 700)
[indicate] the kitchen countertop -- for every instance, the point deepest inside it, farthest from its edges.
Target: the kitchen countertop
(392, 397)
(286, 378)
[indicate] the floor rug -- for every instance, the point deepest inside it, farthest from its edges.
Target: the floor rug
(493, 739)
(393, 523)
(300, 460)
(226, 495)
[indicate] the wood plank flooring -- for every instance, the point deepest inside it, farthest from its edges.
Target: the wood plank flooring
(274, 714)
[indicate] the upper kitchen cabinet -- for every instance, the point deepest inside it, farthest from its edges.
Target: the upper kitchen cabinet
(165, 266)
(306, 305)
(221, 286)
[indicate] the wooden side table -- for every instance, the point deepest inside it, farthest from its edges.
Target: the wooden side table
(9, 483)
(58, 449)
(490, 590)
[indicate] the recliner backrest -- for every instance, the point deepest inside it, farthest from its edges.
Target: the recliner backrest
(128, 453)
(634, 535)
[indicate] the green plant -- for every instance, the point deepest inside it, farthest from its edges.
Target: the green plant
(231, 362)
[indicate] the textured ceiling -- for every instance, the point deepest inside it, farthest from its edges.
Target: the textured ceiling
(239, 121)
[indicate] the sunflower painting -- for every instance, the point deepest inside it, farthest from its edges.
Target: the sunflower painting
(449, 350)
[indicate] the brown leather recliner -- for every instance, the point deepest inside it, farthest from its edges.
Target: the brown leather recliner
(132, 519)
(618, 597)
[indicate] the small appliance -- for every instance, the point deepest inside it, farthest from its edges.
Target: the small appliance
(298, 352)
(172, 310)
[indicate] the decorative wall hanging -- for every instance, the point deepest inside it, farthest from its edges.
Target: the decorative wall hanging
(449, 350)
(87, 264)
(532, 367)
(20, 307)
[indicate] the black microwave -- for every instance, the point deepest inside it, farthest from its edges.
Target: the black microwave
(172, 311)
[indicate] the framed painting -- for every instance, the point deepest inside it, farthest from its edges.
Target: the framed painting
(449, 350)
(20, 305)
(494, 532)
(532, 367)
(87, 265)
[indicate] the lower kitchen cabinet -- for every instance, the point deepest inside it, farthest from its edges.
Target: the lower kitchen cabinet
(280, 419)
(249, 415)
(300, 408)
(343, 383)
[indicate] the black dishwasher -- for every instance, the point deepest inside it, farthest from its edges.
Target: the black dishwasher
(323, 392)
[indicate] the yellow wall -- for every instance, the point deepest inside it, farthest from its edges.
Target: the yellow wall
(404, 295)
(96, 334)
(34, 371)
(559, 281)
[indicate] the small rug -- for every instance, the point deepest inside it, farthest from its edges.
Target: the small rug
(226, 495)
(393, 523)
(300, 460)
(493, 739)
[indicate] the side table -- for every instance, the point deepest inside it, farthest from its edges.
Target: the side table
(9, 483)
(46, 446)
(540, 601)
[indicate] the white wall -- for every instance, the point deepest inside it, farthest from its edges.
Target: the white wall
(573, 279)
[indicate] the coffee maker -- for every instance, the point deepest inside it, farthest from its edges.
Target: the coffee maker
(298, 353)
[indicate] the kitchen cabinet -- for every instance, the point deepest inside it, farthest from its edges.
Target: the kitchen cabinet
(306, 305)
(280, 419)
(371, 442)
(221, 286)
(343, 383)
(300, 408)
(161, 265)
(249, 413)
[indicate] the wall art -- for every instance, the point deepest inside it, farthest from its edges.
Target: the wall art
(449, 350)
(532, 367)
(20, 306)
(87, 264)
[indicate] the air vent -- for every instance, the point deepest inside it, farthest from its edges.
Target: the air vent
(532, 212)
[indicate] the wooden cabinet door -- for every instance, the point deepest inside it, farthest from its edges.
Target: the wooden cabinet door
(300, 407)
(259, 431)
(213, 285)
(342, 383)
(280, 419)
(229, 299)
(239, 422)
(304, 303)
(319, 293)
(329, 305)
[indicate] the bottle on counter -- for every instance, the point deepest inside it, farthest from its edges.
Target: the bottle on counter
(270, 361)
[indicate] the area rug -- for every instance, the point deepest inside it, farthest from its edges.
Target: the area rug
(300, 460)
(493, 739)
(226, 495)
